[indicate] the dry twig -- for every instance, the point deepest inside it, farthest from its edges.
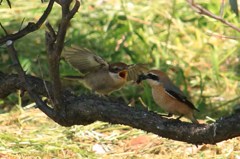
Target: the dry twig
(199, 9)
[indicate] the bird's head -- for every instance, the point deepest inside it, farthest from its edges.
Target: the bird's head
(119, 69)
(153, 77)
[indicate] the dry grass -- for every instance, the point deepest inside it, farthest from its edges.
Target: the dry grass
(30, 134)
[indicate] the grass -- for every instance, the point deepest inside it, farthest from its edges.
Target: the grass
(30, 134)
(167, 35)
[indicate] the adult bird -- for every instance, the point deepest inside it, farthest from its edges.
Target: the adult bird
(168, 96)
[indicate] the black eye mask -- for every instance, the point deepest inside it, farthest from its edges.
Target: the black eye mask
(153, 77)
(148, 76)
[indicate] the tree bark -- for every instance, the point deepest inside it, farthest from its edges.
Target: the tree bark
(85, 109)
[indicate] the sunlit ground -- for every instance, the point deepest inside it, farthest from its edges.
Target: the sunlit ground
(30, 134)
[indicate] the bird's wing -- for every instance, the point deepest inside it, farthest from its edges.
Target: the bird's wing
(83, 59)
(181, 98)
(135, 70)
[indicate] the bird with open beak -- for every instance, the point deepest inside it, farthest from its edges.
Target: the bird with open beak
(168, 96)
(100, 76)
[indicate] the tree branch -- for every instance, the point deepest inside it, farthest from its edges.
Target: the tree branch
(21, 73)
(31, 27)
(40, 104)
(86, 109)
(54, 48)
(199, 9)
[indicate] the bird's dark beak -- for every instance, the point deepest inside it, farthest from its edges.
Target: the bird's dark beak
(141, 78)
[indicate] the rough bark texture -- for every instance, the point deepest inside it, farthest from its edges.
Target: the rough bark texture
(86, 109)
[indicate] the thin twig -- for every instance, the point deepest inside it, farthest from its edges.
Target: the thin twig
(9, 3)
(41, 105)
(5, 31)
(199, 9)
(222, 8)
(51, 31)
(31, 27)
(21, 24)
(44, 82)
(222, 36)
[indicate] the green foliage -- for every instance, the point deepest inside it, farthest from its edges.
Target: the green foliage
(167, 35)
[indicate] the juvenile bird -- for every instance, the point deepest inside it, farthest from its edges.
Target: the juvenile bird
(168, 96)
(100, 76)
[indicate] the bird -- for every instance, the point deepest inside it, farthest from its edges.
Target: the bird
(98, 75)
(168, 96)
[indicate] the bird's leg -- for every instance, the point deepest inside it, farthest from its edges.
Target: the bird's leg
(179, 117)
(99, 94)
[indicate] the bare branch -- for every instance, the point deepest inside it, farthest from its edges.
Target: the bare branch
(74, 10)
(199, 9)
(31, 27)
(55, 45)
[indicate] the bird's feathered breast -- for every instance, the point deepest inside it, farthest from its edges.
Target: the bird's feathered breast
(172, 90)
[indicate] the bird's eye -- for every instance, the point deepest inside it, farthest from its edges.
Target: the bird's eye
(114, 69)
(153, 77)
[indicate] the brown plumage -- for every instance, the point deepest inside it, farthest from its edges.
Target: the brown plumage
(168, 96)
(100, 76)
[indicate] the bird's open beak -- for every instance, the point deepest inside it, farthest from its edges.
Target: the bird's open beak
(123, 74)
(141, 78)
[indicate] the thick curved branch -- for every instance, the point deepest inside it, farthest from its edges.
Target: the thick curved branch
(87, 109)
(31, 27)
